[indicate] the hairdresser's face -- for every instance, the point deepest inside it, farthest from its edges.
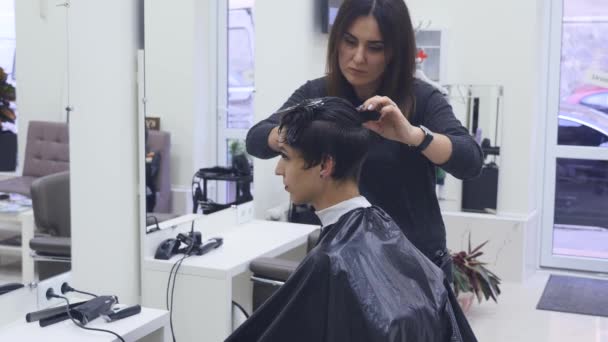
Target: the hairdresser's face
(304, 185)
(362, 56)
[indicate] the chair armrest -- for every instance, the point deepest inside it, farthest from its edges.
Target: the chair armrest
(273, 268)
(56, 246)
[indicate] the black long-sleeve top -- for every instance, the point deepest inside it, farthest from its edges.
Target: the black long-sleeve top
(394, 176)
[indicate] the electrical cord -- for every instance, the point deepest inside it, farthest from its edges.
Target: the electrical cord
(241, 308)
(85, 293)
(171, 272)
(179, 263)
(176, 267)
(78, 323)
(67, 288)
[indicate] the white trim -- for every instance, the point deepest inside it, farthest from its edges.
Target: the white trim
(544, 53)
(498, 217)
(552, 107)
(585, 20)
(580, 152)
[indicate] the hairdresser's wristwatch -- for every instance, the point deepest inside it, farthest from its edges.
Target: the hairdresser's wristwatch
(428, 137)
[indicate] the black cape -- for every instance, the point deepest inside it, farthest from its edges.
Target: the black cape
(364, 281)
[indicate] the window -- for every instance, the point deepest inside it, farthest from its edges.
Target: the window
(7, 37)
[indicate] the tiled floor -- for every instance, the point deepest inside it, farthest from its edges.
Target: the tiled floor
(515, 318)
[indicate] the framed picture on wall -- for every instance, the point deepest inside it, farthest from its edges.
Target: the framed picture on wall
(153, 123)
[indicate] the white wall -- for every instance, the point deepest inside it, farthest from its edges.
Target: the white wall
(512, 248)
(103, 153)
(41, 65)
(490, 42)
(181, 78)
(290, 49)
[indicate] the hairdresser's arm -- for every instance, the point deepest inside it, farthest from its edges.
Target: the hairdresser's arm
(466, 158)
(452, 148)
(262, 139)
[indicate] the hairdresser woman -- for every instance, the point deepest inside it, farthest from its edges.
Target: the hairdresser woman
(371, 63)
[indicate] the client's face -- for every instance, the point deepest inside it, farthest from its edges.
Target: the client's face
(304, 185)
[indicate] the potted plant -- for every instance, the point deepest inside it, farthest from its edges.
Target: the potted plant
(8, 136)
(472, 278)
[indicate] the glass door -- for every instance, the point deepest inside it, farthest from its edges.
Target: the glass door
(575, 217)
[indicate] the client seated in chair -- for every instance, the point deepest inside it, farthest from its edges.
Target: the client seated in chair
(364, 280)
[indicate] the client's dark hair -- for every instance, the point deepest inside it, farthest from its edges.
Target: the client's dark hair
(328, 126)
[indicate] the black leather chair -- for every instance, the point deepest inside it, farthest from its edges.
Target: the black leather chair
(271, 273)
(51, 250)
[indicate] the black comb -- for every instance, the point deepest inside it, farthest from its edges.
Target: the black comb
(369, 115)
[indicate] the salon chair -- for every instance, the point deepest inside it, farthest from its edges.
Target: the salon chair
(271, 273)
(51, 250)
(47, 151)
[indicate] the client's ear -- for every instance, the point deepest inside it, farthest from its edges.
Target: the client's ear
(327, 166)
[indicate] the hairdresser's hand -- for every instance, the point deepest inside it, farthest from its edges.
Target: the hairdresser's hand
(392, 124)
(273, 139)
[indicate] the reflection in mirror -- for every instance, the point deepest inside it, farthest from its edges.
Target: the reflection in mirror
(34, 146)
(195, 159)
(479, 108)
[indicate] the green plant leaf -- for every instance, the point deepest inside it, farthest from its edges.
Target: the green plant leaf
(486, 283)
(487, 291)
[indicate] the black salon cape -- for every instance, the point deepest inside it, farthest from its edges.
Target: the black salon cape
(364, 281)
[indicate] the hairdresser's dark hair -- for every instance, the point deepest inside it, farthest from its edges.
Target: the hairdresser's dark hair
(327, 127)
(395, 25)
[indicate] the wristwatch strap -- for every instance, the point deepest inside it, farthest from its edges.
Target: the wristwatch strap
(428, 137)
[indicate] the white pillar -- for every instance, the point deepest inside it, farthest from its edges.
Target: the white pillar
(103, 147)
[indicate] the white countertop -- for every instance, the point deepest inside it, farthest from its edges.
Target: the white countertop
(130, 328)
(242, 243)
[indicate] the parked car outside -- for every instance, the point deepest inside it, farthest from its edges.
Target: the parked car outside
(590, 96)
(582, 184)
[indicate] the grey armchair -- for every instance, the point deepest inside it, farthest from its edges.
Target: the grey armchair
(46, 152)
(51, 205)
(271, 273)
